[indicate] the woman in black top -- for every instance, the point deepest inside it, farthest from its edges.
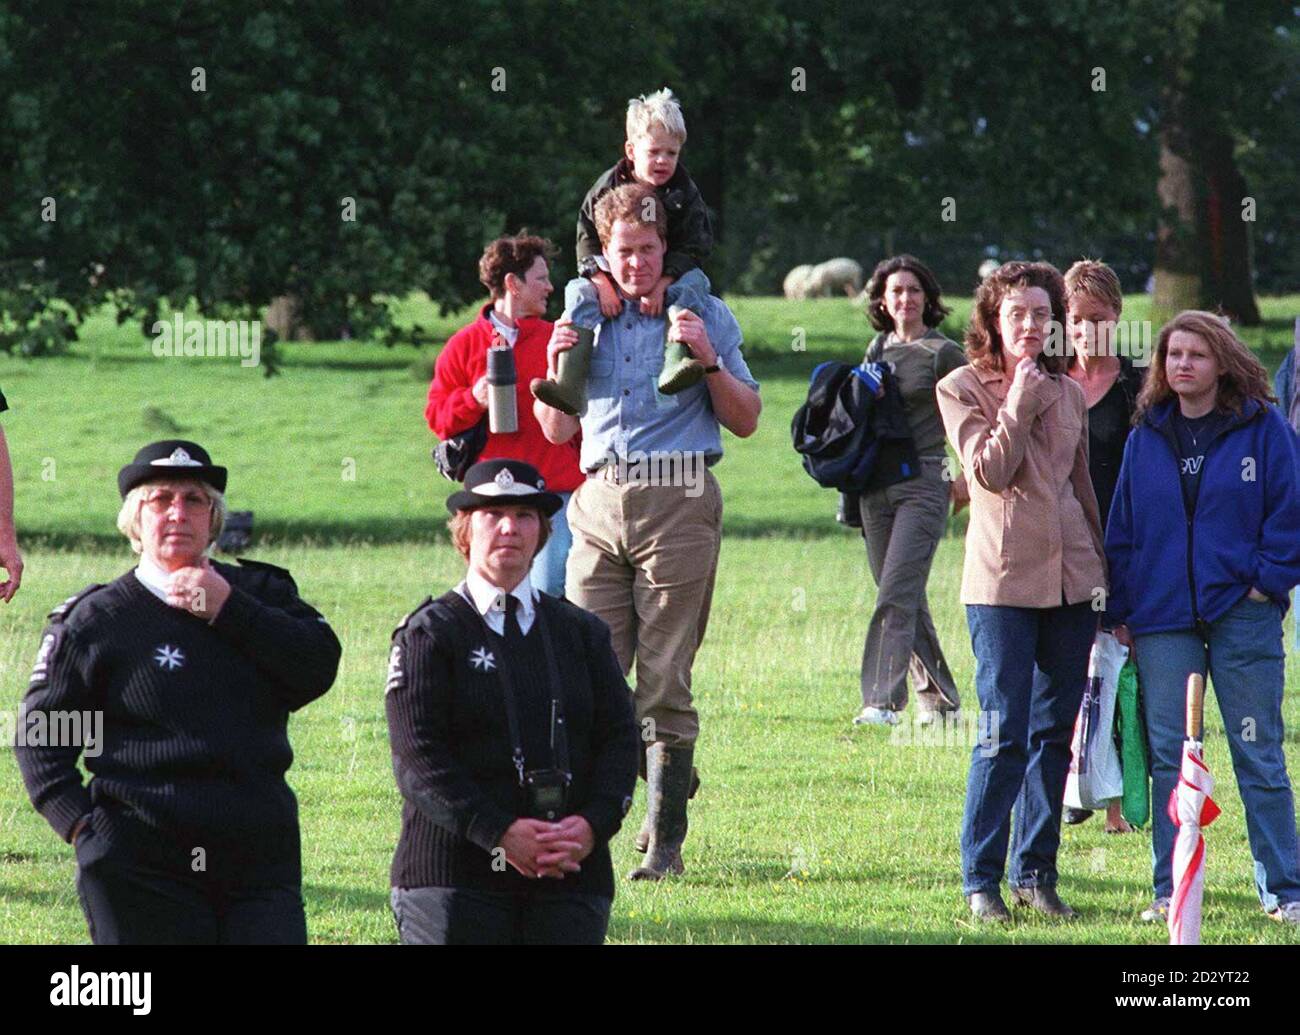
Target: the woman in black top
(1110, 384)
(514, 742)
(176, 682)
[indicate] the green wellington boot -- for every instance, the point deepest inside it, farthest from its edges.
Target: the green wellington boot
(568, 392)
(642, 840)
(668, 781)
(681, 368)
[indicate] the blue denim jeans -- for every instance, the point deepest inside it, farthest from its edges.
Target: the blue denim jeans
(1295, 612)
(1031, 665)
(547, 573)
(582, 303)
(1245, 659)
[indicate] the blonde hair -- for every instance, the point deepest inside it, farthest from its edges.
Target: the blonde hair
(1096, 280)
(659, 108)
(128, 518)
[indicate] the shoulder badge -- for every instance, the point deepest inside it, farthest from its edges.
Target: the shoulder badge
(49, 646)
(395, 674)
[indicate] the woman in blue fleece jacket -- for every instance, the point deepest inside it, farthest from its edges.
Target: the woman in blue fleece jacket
(1203, 543)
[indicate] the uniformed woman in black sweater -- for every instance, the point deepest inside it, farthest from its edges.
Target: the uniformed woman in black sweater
(514, 741)
(187, 831)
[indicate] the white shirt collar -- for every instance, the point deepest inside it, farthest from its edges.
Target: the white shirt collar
(490, 600)
(511, 334)
(155, 579)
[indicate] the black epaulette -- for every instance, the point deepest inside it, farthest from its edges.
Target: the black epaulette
(423, 606)
(274, 569)
(61, 613)
(264, 570)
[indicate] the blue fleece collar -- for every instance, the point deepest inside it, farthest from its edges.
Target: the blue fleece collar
(1159, 414)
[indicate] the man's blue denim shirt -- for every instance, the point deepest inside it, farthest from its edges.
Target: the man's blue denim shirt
(627, 416)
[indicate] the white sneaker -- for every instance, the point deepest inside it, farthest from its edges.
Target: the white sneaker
(1158, 910)
(1286, 913)
(875, 717)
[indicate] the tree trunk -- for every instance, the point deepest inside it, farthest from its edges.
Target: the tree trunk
(283, 316)
(1229, 259)
(1177, 273)
(1203, 245)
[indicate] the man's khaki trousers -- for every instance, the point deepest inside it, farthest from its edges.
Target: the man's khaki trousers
(644, 558)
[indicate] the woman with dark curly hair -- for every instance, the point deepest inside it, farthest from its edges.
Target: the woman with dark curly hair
(1204, 547)
(1033, 572)
(902, 523)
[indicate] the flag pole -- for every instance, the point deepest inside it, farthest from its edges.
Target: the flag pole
(1195, 705)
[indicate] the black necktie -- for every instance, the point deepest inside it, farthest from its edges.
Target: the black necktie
(513, 633)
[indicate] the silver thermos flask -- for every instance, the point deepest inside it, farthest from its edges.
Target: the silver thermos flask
(502, 415)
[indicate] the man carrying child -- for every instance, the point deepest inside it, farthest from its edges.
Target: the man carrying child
(646, 535)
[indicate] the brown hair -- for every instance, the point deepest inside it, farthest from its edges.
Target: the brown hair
(510, 255)
(461, 533)
(631, 203)
(931, 315)
(983, 339)
(1241, 375)
(1096, 280)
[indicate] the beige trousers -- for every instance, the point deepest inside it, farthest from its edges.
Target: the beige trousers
(643, 559)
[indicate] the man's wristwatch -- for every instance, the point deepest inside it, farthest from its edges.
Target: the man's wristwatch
(713, 369)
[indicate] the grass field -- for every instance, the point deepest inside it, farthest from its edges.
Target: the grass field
(807, 829)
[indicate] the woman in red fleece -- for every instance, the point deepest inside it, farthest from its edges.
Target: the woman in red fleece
(515, 272)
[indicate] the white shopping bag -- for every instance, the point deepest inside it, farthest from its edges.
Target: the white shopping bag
(1095, 778)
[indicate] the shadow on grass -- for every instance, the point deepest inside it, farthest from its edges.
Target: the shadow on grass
(778, 355)
(727, 930)
(329, 896)
(388, 362)
(372, 532)
(420, 530)
(47, 899)
(293, 357)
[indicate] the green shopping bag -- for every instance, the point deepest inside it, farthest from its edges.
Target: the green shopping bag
(1136, 803)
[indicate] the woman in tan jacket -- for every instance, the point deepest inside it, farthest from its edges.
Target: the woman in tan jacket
(1034, 578)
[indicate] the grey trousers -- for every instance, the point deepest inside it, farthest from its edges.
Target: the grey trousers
(902, 525)
(466, 916)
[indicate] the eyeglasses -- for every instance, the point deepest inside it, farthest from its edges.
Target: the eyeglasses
(162, 501)
(1039, 316)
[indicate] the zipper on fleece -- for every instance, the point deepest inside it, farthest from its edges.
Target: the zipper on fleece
(1166, 431)
(1189, 508)
(1191, 578)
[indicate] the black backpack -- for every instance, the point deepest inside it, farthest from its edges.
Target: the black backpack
(457, 454)
(848, 513)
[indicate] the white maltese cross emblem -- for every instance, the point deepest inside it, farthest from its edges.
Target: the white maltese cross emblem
(169, 657)
(483, 660)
